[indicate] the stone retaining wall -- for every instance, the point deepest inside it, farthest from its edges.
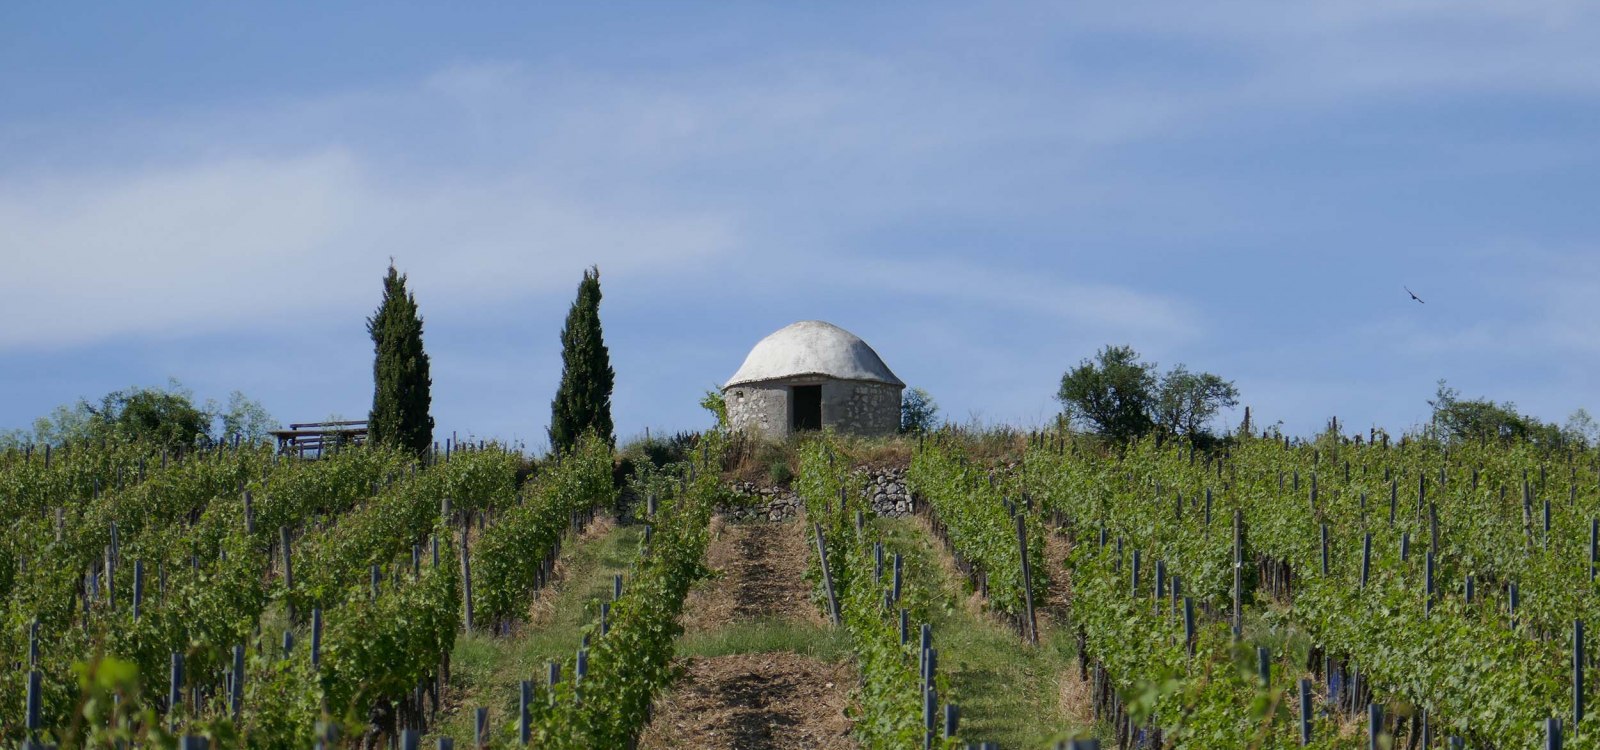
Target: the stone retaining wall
(885, 487)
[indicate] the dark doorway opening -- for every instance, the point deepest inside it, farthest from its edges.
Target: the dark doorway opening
(806, 411)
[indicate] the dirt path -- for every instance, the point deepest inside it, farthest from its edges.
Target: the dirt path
(765, 699)
(776, 701)
(760, 569)
(1058, 597)
(1077, 701)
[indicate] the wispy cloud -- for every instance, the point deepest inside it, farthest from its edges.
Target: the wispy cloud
(1005, 188)
(1111, 310)
(257, 243)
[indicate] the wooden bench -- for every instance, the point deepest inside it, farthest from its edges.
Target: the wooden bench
(315, 437)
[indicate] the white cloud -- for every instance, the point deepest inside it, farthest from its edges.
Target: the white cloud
(1109, 310)
(489, 181)
(267, 242)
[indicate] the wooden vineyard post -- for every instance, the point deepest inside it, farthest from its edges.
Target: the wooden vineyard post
(1515, 599)
(1374, 725)
(525, 711)
(316, 637)
(288, 567)
(1366, 558)
(112, 552)
(1547, 523)
(1264, 666)
(1188, 624)
(1577, 673)
(466, 584)
(175, 689)
(1238, 574)
(1305, 712)
(827, 577)
(1133, 579)
(35, 697)
(1027, 579)
(236, 683)
(138, 587)
(480, 727)
(1427, 604)
(899, 564)
(1325, 549)
(1161, 583)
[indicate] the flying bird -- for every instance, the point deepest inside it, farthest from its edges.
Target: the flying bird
(1413, 295)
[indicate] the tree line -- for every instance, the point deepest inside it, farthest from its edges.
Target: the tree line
(401, 393)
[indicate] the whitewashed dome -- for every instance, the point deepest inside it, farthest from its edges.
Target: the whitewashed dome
(812, 347)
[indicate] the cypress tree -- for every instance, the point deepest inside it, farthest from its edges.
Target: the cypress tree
(400, 394)
(584, 399)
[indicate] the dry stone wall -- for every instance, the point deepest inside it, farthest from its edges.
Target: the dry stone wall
(885, 489)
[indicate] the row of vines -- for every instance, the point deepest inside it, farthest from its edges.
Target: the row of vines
(257, 601)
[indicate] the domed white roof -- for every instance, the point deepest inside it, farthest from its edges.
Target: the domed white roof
(812, 347)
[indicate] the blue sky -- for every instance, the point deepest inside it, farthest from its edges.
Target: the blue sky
(986, 193)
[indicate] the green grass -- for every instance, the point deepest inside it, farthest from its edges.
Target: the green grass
(1009, 692)
(765, 636)
(487, 669)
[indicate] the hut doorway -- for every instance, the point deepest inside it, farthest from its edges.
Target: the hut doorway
(805, 411)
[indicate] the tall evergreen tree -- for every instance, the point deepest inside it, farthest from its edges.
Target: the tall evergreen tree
(400, 394)
(584, 399)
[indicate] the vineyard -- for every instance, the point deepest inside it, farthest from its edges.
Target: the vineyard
(1335, 593)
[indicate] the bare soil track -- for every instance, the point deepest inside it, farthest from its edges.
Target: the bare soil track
(773, 701)
(760, 575)
(776, 700)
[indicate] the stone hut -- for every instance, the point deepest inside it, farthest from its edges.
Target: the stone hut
(810, 375)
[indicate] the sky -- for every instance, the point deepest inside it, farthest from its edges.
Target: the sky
(987, 193)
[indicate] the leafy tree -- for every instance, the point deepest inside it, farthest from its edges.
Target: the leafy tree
(583, 400)
(1121, 397)
(67, 422)
(244, 417)
(1581, 429)
(400, 395)
(1187, 401)
(1481, 419)
(1111, 393)
(166, 416)
(917, 411)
